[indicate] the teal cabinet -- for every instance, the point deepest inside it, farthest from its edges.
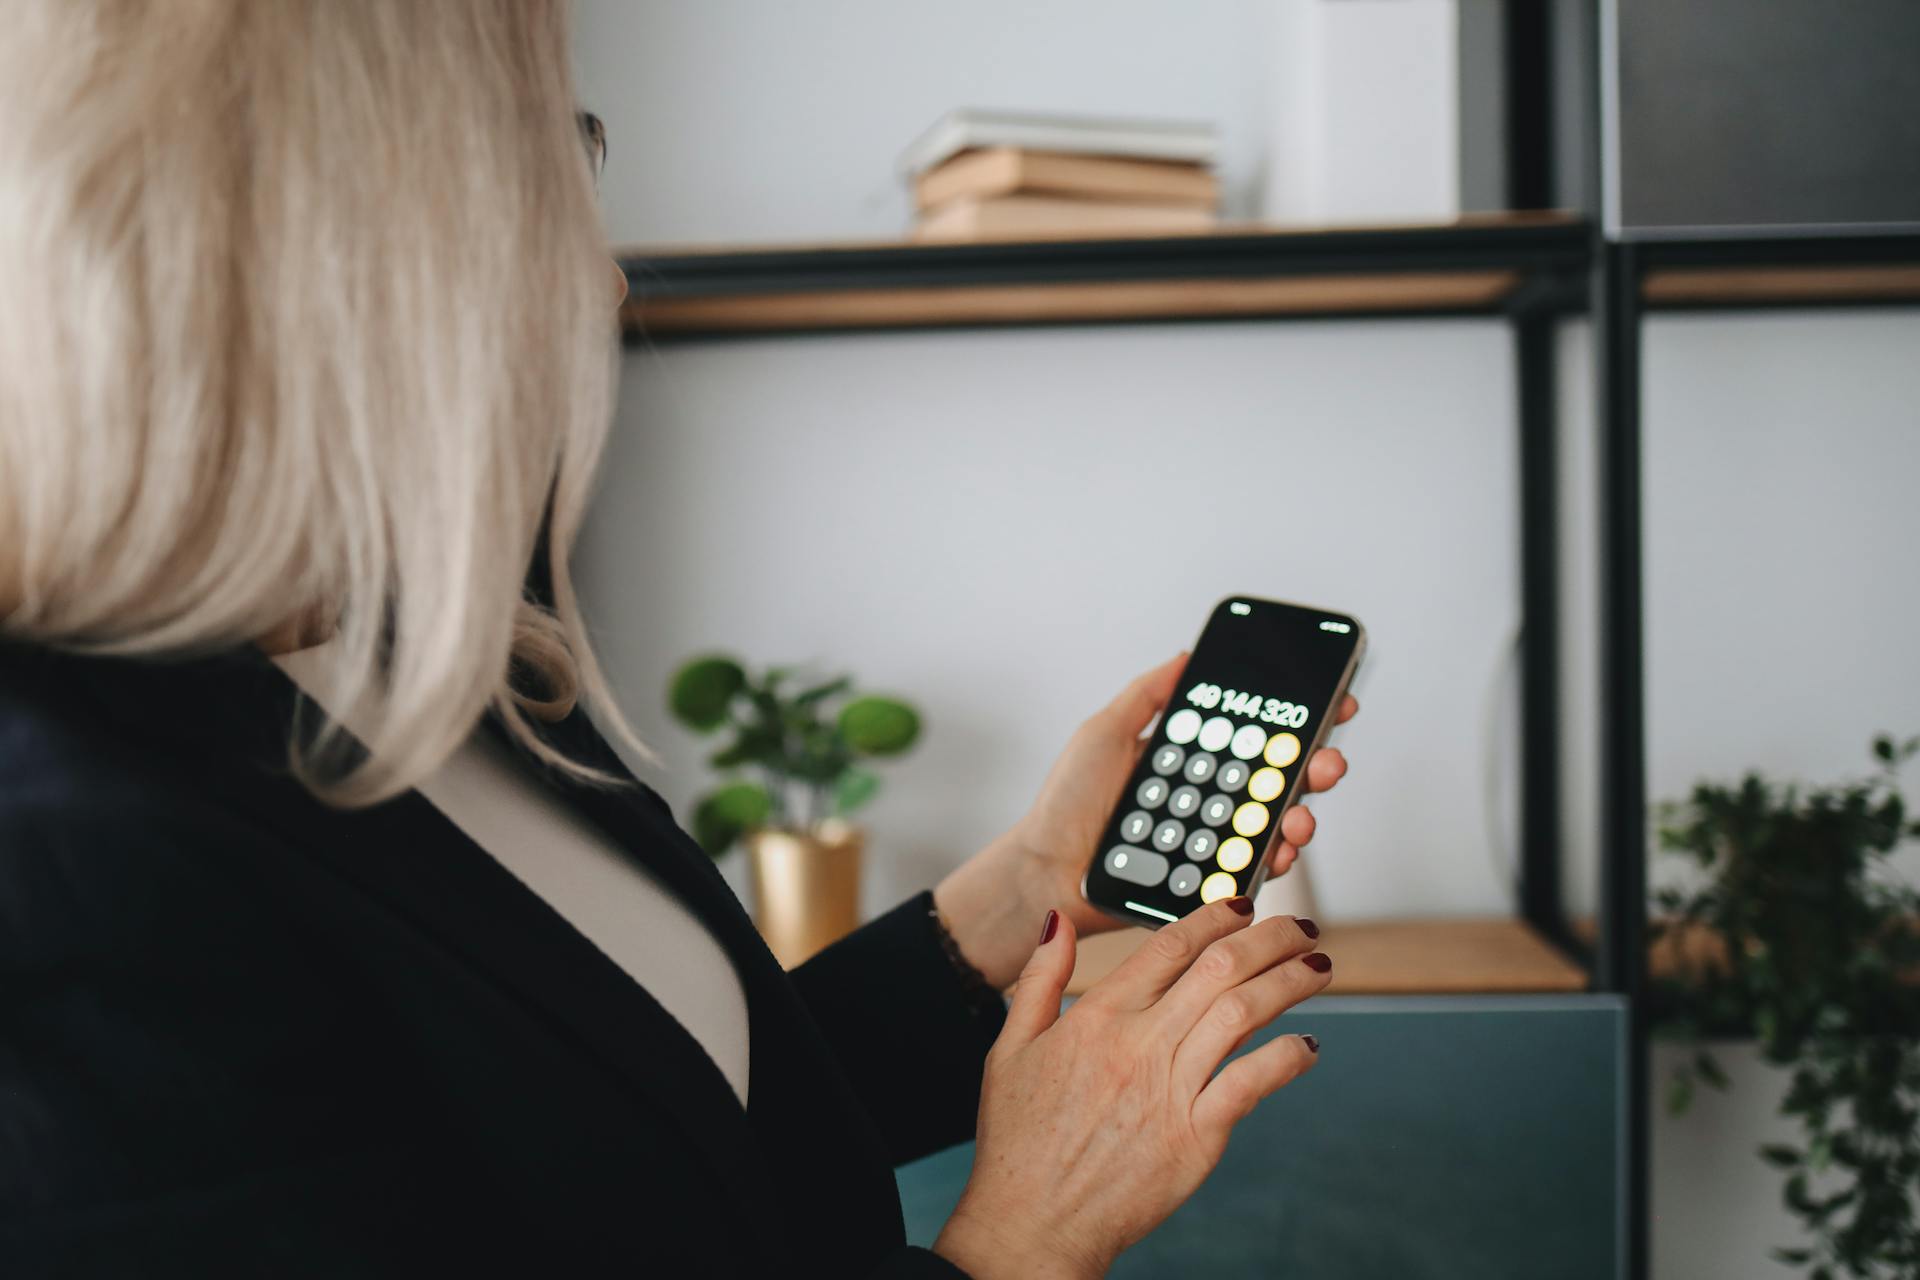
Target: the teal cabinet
(1438, 1137)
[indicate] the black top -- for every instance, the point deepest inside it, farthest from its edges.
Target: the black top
(244, 1033)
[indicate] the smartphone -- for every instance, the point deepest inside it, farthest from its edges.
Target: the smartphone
(1200, 813)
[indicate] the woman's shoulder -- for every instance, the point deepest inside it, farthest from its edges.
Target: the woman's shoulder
(93, 815)
(62, 755)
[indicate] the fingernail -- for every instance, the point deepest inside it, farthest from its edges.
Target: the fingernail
(1307, 926)
(1312, 1043)
(1046, 930)
(1243, 905)
(1318, 961)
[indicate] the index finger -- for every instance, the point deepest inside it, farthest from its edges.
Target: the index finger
(1157, 963)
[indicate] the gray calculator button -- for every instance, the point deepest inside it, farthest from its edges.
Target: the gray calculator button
(1136, 866)
(1152, 793)
(1201, 845)
(1169, 835)
(1233, 775)
(1135, 827)
(1183, 801)
(1215, 810)
(1168, 759)
(1201, 767)
(1184, 880)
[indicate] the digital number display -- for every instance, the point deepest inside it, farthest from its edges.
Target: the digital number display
(1241, 703)
(1201, 811)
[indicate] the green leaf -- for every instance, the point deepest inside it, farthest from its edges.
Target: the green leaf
(1709, 1069)
(875, 726)
(753, 746)
(1780, 1157)
(1793, 1257)
(1883, 749)
(723, 816)
(853, 789)
(1679, 1093)
(701, 691)
(821, 692)
(1796, 1195)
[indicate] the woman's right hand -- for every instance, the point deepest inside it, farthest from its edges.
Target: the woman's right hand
(1097, 1123)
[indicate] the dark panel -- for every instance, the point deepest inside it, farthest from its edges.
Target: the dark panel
(1787, 114)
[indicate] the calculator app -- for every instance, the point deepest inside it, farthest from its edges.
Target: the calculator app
(1196, 820)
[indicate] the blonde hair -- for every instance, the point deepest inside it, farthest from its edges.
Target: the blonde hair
(306, 315)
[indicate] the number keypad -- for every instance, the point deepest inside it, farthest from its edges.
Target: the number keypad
(1204, 804)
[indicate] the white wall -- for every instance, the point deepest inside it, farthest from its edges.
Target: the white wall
(741, 120)
(1008, 525)
(1717, 1208)
(1783, 619)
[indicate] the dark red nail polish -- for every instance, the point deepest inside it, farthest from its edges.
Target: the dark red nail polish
(1313, 1043)
(1307, 926)
(1318, 961)
(1046, 930)
(1244, 905)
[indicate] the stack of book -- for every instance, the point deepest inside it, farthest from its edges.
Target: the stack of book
(981, 175)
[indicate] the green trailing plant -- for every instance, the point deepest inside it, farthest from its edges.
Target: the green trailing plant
(795, 752)
(1813, 951)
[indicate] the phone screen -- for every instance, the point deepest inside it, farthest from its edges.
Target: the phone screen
(1201, 811)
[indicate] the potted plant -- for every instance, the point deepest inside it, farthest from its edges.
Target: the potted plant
(794, 769)
(1800, 939)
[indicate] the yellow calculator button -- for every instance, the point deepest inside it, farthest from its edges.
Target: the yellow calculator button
(1235, 853)
(1217, 886)
(1266, 784)
(1250, 819)
(1282, 750)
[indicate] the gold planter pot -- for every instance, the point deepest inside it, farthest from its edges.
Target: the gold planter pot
(806, 887)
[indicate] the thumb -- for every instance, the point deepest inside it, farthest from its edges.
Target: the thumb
(1036, 994)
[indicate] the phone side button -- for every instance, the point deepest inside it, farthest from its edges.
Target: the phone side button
(1136, 866)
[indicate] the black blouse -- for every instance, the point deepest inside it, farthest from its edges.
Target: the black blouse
(245, 1033)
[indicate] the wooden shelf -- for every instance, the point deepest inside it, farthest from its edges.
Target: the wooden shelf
(1402, 957)
(1099, 302)
(1780, 286)
(1476, 266)
(1756, 272)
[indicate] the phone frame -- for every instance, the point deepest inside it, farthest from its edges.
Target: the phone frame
(1295, 789)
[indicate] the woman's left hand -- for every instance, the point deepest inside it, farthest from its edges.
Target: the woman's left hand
(993, 902)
